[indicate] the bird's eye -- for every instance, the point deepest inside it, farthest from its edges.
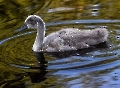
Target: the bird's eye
(31, 19)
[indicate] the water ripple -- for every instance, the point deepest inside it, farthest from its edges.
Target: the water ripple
(90, 21)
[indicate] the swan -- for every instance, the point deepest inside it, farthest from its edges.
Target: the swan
(65, 39)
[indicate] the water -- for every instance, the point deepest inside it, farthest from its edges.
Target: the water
(88, 68)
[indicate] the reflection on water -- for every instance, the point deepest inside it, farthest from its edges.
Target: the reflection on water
(39, 76)
(95, 67)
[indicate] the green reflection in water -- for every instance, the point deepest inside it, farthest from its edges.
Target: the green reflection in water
(18, 50)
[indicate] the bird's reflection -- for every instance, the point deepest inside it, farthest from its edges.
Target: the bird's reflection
(39, 76)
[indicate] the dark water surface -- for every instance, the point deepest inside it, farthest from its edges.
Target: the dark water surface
(87, 68)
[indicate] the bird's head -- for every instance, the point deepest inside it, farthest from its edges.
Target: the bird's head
(32, 21)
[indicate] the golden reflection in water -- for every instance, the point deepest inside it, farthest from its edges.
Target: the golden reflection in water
(17, 53)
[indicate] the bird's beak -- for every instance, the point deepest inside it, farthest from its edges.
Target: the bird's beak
(22, 28)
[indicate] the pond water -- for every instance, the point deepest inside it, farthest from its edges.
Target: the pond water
(87, 68)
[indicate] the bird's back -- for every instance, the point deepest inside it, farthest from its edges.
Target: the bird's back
(72, 39)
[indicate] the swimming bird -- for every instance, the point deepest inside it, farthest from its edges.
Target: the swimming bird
(65, 39)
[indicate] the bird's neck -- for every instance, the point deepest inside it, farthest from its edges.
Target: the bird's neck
(37, 46)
